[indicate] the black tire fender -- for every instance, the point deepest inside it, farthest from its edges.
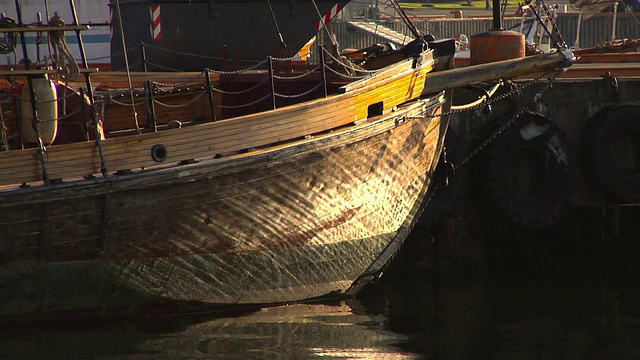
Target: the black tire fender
(528, 172)
(610, 152)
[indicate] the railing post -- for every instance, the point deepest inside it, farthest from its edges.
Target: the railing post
(18, 119)
(87, 80)
(322, 65)
(273, 85)
(143, 56)
(212, 106)
(34, 111)
(3, 134)
(151, 109)
(85, 121)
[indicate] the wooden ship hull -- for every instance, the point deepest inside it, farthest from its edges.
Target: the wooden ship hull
(278, 201)
(284, 224)
(280, 183)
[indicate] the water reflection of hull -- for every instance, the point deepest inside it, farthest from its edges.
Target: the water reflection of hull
(287, 332)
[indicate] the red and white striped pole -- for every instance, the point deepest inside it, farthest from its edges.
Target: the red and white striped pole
(328, 16)
(156, 33)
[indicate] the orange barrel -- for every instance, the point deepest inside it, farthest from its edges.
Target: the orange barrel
(496, 45)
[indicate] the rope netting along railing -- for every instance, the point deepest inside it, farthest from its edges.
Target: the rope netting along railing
(152, 94)
(112, 97)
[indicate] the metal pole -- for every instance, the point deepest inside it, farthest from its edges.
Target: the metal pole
(87, 80)
(34, 110)
(322, 65)
(84, 115)
(16, 105)
(613, 22)
(273, 85)
(151, 109)
(143, 56)
(576, 44)
(3, 134)
(212, 105)
(497, 23)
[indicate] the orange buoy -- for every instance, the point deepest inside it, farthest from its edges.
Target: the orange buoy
(496, 45)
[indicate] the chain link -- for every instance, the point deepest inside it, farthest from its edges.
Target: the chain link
(295, 77)
(228, 92)
(516, 89)
(512, 119)
(245, 105)
(176, 106)
(345, 75)
(292, 96)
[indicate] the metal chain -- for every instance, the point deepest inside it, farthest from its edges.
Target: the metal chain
(57, 99)
(512, 119)
(227, 92)
(253, 67)
(296, 76)
(162, 67)
(300, 94)
(118, 54)
(176, 106)
(244, 105)
(186, 82)
(516, 89)
(183, 52)
(127, 104)
(345, 75)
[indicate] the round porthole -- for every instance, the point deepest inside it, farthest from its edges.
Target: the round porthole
(159, 153)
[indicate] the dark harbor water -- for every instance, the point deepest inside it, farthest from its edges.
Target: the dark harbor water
(558, 294)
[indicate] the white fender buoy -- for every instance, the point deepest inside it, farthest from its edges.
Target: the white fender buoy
(46, 111)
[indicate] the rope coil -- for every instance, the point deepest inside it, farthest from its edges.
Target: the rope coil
(9, 40)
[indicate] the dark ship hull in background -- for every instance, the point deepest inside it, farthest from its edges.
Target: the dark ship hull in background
(192, 35)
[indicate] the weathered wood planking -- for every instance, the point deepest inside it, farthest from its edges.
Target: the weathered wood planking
(74, 160)
(71, 224)
(293, 221)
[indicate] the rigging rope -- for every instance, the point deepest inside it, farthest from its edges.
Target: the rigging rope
(275, 22)
(333, 41)
(414, 30)
(61, 51)
(126, 61)
(8, 43)
(556, 36)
